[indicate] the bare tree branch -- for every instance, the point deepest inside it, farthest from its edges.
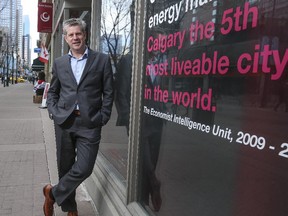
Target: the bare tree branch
(4, 5)
(116, 29)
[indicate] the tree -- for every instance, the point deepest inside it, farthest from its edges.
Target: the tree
(116, 28)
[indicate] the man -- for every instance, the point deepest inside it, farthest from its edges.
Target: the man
(79, 101)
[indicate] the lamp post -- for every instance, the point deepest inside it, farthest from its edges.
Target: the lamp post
(7, 65)
(2, 65)
(17, 67)
(12, 68)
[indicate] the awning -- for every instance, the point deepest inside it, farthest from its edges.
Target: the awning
(37, 65)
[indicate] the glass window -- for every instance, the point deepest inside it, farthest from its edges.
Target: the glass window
(215, 108)
(116, 31)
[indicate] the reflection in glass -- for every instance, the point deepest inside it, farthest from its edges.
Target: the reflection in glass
(116, 32)
(151, 135)
(220, 147)
(123, 91)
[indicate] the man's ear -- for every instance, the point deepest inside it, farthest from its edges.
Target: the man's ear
(65, 37)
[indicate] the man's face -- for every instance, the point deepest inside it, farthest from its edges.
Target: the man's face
(75, 39)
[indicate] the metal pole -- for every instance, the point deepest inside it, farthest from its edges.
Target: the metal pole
(7, 65)
(17, 65)
(12, 68)
(2, 66)
(3, 72)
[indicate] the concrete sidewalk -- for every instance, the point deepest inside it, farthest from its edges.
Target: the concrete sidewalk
(27, 155)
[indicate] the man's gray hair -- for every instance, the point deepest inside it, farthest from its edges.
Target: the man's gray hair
(74, 22)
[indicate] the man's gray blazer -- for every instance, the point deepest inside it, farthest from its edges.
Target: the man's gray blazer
(93, 94)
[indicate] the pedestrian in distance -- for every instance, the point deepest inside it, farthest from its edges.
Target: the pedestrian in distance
(79, 101)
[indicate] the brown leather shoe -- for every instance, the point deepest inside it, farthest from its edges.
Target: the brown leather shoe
(75, 213)
(49, 202)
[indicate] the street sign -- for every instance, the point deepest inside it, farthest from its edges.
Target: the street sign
(37, 50)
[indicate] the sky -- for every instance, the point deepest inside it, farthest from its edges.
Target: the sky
(30, 8)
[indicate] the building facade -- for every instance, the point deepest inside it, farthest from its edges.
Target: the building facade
(26, 42)
(26, 50)
(200, 115)
(11, 20)
(12, 32)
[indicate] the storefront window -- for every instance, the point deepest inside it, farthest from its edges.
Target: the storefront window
(214, 123)
(116, 31)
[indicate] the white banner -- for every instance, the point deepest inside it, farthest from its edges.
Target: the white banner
(44, 98)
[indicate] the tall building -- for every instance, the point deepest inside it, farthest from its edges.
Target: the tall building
(20, 28)
(26, 25)
(11, 22)
(26, 48)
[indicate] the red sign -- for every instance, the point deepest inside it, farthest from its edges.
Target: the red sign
(45, 16)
